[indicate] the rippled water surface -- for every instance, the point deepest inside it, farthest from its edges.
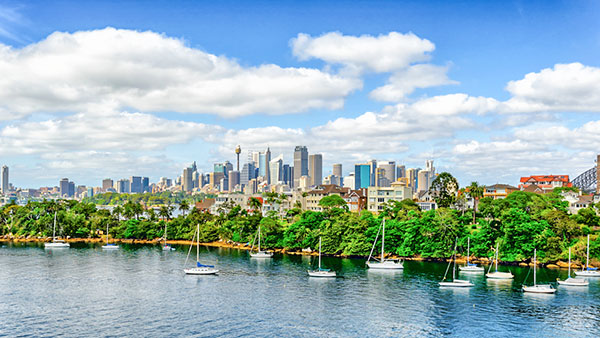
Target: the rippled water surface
(142, 291)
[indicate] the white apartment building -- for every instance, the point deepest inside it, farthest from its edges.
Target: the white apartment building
(378, 196)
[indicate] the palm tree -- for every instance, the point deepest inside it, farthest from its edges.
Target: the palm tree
(254, 204)
(184, 206)
(476, 192)
(118, 210)
(151, 214)
(165, 212)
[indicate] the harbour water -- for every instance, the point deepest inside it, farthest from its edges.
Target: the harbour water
(142, 291)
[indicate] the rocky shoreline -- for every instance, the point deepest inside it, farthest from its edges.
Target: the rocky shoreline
(242, 246)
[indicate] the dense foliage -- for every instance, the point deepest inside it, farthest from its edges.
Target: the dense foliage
(519, 223)
(167, 197)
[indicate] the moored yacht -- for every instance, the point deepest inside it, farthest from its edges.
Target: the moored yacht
(570, 281)
(56, 243)
(470, 267)
(537, 288)
(455, 282)
(320, 272)
(588, 271)
(498, 274)
(382, 263)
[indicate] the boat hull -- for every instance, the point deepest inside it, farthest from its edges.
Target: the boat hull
(499, 275)
(167, 248)
(262, 254)
(201, 271)
(322, 274)
(387, 265)
(539, 289)
(587, 273)
(471, 269)
(110, 247)
(573, 282)
(457, 283)
(56, 245)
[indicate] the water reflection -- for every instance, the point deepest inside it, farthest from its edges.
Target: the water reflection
(90, 290)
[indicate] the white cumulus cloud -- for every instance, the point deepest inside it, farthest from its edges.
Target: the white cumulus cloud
(565, 87)
(381, 54)
(151, 72)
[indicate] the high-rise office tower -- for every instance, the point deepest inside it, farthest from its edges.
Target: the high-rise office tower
(373, 167)
(255, 158)
(135, 184)
(287, 174)
(188, 185)
(145, 184)
(389, 168)
(63, 186)
(362, 176)
(315, 169)
(380, 178)
(400, 171)
(349, 182)
(423, 180)
(276, 170)
(123, 186)
(268, 162)
(411, 175)
(337, 169)
(264, 160)
(234, 180)
(5, 184)
(300, 164)
(247, 173)
(228, 167)
(107, 183)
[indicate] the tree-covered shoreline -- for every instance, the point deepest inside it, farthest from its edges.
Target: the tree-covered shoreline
(519, 223)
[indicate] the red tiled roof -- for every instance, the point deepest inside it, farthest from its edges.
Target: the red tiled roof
(544, 178)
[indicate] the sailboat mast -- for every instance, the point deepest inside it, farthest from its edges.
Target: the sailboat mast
(569, 263)
(54, 228)
(165, 233)
(106, 233)
(497, 256)
(468, 247)
(382, 240)
(319, 253)
(198, 243)
(534, 266)
(587, 260)
(454, 266)
(259, 238)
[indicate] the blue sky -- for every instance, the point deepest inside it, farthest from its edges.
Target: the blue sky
(451, 61)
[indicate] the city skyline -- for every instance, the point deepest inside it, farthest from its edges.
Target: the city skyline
(460, 84)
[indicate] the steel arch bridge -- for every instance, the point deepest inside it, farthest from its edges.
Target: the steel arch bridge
(586, 181)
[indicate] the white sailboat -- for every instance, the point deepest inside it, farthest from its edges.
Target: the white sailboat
(498, 274)
(470, 267)
(382, 263)
(588, 271)
(260, 253)
(109, 246)
(570, 281)
(166, 247)
(321, 272)
(56, 243)
(199, 269)
(461, 283)
(537, 288)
